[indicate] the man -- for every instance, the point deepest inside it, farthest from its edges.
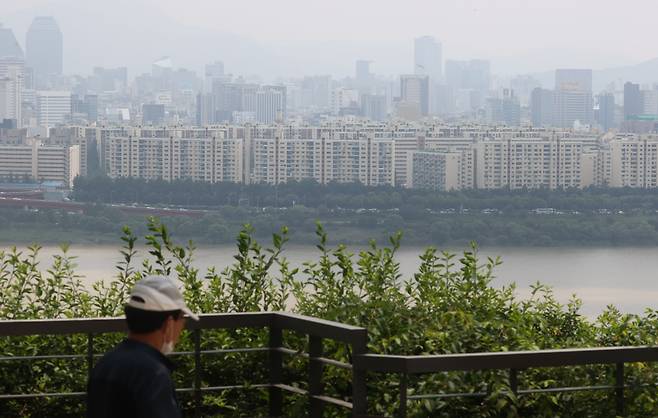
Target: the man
(134, 380)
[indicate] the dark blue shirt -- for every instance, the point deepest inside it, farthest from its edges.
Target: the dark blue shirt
(132, 381)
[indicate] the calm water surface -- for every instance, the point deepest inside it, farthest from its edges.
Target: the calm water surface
(625, 277)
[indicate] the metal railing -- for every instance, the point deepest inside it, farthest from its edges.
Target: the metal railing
(316, 329)
(513, 361)
(361, 363)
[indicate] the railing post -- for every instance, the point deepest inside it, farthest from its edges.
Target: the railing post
(402, 411)
(197, 372)
(315, 376)
(359, 389)
(90, 354)
(514, 381)
(276, 371)
(619, 390)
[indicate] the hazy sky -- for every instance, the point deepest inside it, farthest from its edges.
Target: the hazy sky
(294, 37)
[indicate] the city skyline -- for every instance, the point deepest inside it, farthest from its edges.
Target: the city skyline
(36, 92)
(383, 36)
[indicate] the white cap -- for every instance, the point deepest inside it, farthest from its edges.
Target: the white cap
(159, 294)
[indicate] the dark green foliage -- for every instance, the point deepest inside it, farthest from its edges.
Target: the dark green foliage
(331, 196)
(448, 306)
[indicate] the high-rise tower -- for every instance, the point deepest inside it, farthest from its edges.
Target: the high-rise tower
(44, 49)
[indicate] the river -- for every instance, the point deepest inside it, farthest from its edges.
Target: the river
(625, 277)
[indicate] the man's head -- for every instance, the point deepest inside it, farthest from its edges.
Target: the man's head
(155, 313)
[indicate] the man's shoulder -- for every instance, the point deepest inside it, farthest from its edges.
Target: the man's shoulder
(132, 357)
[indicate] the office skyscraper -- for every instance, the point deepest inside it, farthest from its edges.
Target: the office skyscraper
(364, 78)
(362, 71)
(373, 106)
(505, 110)
(606, 113)
(205, 109)
(541, 107)
(428, 61)
(469, 82)
(109, 79)
(414, 91)
(315, 91)
(650, 102)
(428, 58)
(9, 47)
(44, 49)
(473, 74)
(153, 114)
(53, 108)
(573, 97)
(213, 72)
(573, 80)
(633, 105)
(12, 75)
(271, 104)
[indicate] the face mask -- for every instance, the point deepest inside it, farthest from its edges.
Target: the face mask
(167, 346)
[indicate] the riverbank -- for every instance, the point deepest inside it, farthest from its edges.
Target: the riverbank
(101, 224)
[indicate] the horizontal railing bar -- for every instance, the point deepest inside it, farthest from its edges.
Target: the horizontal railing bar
(318, 327)
(345, 403)
(524, 391)
(232, 320)
(74, 394)
(292, 389)
(42, 395)
(568, 389)
(218, 388)
(294, 322)
(227, 387)
(223, 351)
(332, 362)
(290, 351)
(176, 353)
(334, 401)
(448, 395)
(323, 360)
(504, 360)
(13, 328)
(44, 357)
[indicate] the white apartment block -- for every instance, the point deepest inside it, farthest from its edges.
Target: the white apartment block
(53, 108)
(199, 155)
(264, 155)
(633, 161)
(345, 159)
(299, 159)
(374, 154)
(35, 159)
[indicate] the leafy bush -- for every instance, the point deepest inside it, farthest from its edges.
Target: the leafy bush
(448, 306)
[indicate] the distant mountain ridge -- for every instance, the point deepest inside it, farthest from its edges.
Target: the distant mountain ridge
(644, 73)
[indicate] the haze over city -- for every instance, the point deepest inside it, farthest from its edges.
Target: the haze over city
(453, 201)
(295, 38)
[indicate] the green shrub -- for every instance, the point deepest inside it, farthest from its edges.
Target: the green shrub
(448, 306)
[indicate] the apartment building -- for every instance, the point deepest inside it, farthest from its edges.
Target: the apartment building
(204, 155)
(633, 161)
(434, 170)
(402, 154)
(39, 161)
